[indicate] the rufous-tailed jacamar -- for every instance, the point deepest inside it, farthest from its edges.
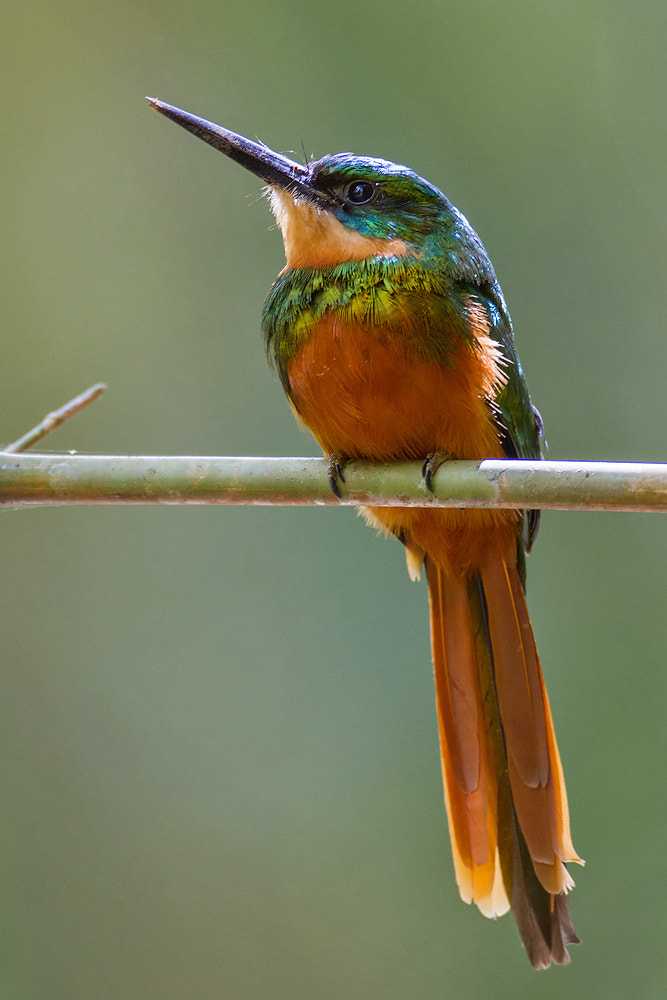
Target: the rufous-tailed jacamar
(392, 340)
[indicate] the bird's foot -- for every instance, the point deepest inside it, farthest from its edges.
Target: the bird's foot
(335, 472)
(430, 466)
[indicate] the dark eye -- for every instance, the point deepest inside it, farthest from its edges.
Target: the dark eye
(359, 192)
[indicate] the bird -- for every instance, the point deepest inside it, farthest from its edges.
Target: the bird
(392, 340)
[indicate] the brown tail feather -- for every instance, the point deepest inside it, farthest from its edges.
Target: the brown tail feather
(504, 788)
(471, 791)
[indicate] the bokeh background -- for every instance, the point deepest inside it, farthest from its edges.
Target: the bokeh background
(220, 774)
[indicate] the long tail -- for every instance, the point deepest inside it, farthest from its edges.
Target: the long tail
(504, 787)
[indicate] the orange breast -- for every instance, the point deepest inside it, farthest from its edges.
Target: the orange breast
(361, 393)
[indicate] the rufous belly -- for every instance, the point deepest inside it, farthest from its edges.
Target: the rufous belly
(363, 395)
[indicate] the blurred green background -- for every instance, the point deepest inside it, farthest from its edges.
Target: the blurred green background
(220, 773)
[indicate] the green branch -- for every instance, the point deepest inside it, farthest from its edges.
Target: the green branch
(29, 479)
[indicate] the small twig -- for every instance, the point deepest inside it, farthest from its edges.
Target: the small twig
(56, 418)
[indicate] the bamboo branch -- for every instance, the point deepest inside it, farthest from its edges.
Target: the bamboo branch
(107, 479)
(55, 419)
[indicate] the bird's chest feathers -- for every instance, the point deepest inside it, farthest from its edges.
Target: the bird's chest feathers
(367, 392)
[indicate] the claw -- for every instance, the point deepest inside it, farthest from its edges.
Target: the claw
(335, 470)
(430, 466)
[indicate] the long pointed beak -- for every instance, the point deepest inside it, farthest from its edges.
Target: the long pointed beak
(274, 168)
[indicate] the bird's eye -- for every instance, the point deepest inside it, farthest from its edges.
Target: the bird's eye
(359, 192)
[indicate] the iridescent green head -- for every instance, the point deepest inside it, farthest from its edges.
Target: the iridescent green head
(378, 198)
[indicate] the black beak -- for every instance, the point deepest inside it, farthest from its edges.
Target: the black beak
(273, 168)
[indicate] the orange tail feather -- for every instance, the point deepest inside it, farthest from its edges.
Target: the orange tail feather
(504, 789)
